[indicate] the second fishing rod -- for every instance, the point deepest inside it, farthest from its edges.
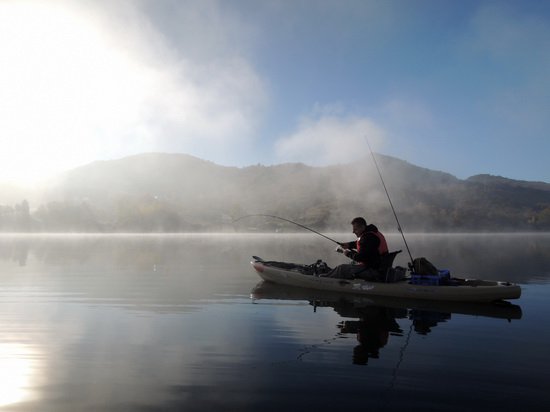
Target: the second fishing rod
(389, 200)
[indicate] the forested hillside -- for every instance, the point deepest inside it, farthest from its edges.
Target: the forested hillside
(176, 192)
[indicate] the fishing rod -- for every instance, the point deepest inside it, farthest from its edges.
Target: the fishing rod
(289, 221)
(389, 199)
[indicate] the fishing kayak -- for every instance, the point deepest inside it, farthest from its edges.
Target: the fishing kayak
(455, 289)
(352, 305)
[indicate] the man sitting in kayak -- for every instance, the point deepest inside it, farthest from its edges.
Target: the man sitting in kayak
(366, 251)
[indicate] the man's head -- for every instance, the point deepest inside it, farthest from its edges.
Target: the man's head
(359, 225)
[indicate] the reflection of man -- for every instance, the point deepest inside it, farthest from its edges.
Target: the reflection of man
(365, 251)
(372, 331)
(371, 338)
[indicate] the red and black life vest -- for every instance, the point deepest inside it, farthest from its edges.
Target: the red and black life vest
(382, 247)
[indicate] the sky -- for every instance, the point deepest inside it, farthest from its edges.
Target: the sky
(457, 86)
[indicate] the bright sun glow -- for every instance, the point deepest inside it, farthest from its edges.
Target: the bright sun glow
(17, 372)
(85, 81)
(80, 82)
(63, 84)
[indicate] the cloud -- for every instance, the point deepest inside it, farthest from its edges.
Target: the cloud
(88, 80)
(329, 137)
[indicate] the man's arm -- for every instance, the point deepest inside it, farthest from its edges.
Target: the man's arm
(349, 245)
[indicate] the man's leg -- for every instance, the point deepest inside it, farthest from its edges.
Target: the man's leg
(345, 271)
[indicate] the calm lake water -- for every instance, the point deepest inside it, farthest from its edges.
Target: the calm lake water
(182, 323)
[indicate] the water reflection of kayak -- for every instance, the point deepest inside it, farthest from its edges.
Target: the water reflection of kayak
(353, 305)
(457, 290)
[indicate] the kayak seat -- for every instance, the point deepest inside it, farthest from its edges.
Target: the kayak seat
(386, 260)
(386, 264)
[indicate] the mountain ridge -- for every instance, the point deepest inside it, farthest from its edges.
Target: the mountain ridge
(170, 192)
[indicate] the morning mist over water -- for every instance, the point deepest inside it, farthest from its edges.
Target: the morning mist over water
(514, 257)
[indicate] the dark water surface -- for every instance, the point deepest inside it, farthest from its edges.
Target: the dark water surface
(166, 323)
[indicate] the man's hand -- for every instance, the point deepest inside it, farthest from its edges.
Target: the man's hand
(346, 252)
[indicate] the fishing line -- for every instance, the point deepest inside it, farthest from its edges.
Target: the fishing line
(389, 199)
(391, 387)
(289, 221)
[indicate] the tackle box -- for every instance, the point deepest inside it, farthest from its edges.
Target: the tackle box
(442, 278)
